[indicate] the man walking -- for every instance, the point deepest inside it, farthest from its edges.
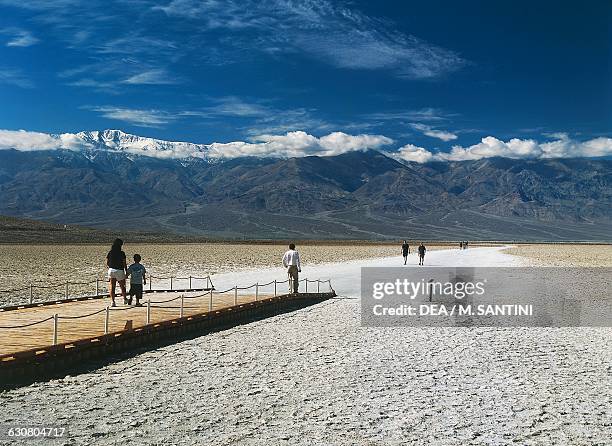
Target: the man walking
(291, 261)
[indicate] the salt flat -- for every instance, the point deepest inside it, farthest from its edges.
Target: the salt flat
(315, 376)
(345, 276)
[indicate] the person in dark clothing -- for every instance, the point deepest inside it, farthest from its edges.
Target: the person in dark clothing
(460, 245)
(422, 251)
(405, 251)
(117, 270)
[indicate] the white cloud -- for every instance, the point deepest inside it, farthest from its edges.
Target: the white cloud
(336, 34)
(15, 77)
(515, 148)
(40, 4)
(233, 106)
(19, 37)
(292, 144)
(413, 153)
(429, 114)
(433, 133)
(267, 118)
(108, 87)
(22, 140)
(490, 147)
(29, 141)
(298, 144)
(140, 118)
(137, 44)
(339, 142)
(565, 147)
(151, 77)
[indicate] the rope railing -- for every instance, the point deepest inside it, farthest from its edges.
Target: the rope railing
(82, 315)
(103, 279)
(127, 308)
(171, 278)
(97, 293)
(98, 279)
(157, 304)
(14, 290)
(164, 301)
(4, 327)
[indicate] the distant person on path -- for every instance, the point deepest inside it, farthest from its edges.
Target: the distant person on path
(422, 251)
(138, 279)
(405, 251)
(460, 245)
(291, 261)
(465, 245)
(117, 270)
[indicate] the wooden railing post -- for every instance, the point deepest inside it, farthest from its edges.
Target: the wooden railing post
(210, 302)
(106, 320)
(274, 287)
(55, 333)
(182, 303)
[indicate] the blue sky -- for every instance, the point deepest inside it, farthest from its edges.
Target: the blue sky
(426, 75)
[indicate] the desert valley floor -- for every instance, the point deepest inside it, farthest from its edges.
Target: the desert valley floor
(316, 376)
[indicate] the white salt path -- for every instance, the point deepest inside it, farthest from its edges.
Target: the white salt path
(345, 276)
(315, 377)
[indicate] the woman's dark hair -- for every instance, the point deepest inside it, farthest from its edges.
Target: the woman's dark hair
(117, 244)
(291, 246)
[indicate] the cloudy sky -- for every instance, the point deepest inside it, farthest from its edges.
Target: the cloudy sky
(423, 80)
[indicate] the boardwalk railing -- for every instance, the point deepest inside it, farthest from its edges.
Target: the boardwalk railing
(30, 296)
(272, 289)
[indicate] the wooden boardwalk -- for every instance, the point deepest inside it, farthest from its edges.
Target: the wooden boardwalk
(76, 320)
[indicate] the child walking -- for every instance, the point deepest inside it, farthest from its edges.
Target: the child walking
(137, 274)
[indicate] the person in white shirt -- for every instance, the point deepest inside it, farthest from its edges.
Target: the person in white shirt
(291, 261)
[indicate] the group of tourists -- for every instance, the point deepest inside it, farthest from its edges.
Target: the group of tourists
(463, 245)
(421, 251)
(119, 271)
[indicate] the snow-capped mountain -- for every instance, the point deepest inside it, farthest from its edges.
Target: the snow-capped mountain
(118, 141)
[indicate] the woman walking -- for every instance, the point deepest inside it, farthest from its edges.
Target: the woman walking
(117, 270)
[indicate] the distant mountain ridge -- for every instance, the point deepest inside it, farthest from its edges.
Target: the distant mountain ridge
(356, 195)
(117, 140)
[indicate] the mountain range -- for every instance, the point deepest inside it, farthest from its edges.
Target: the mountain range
(108, 183)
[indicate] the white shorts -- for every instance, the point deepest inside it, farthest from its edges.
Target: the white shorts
(118, 274)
